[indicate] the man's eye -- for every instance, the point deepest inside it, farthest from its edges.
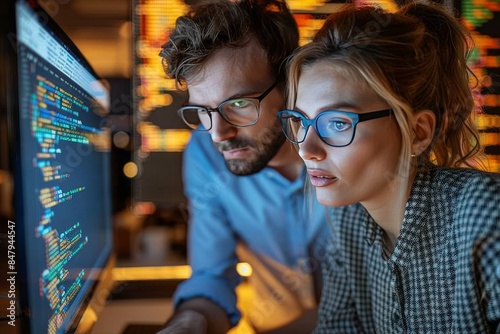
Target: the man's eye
(240, 103)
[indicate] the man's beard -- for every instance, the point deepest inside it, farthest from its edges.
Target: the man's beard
(266, 146)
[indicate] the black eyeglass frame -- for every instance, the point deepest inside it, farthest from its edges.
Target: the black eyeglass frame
(218, 109)
(306, 122)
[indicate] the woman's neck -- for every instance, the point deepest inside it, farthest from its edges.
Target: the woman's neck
(389, 208)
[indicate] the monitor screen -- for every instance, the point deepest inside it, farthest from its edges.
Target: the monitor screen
(61, 239)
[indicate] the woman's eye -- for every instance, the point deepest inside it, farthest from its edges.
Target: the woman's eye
(338, 125)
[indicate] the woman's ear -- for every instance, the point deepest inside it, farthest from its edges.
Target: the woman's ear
(423, 125)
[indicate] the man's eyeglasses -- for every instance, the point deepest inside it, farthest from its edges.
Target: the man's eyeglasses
(335, 128)
(239, 112)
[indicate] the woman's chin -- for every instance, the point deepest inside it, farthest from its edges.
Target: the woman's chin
(327, 198)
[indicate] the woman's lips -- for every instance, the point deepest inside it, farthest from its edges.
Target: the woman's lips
(320, 178)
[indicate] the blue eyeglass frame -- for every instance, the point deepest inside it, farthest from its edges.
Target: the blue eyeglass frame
(306, 122)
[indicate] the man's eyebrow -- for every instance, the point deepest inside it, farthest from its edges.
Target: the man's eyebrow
(234, 96)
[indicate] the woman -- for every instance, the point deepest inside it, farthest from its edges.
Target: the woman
(392, 148)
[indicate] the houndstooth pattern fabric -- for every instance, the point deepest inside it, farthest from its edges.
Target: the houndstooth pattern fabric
(443, 275)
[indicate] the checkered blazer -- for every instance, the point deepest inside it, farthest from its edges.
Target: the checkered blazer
(443, 275)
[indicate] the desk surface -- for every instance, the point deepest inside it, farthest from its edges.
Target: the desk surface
(118, 314)
(122, 312)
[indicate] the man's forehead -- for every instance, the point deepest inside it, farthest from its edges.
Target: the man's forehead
(233, 62)
(231, 72)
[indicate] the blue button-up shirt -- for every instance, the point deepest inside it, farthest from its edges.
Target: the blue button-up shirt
(263, 219)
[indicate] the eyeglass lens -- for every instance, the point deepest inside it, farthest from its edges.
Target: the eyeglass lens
(335, 128)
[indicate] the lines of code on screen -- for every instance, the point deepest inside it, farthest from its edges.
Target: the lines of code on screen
(64, 162)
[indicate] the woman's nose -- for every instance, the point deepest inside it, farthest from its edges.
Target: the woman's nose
(312, 148)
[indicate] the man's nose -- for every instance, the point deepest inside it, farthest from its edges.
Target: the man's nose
(221, 129)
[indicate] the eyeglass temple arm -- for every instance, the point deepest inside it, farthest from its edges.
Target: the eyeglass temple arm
(373, 115)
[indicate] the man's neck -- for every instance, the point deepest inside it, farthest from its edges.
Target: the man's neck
(287, 161)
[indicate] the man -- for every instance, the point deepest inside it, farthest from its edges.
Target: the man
(244, 182)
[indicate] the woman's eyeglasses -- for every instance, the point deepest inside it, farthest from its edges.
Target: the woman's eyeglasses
(335, 128)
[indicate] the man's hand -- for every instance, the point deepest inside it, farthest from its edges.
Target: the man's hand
(186, 322)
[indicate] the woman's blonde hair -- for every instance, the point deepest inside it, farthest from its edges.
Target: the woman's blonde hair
(415, 59)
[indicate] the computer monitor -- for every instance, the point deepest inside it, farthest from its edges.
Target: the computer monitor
(57, 240)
